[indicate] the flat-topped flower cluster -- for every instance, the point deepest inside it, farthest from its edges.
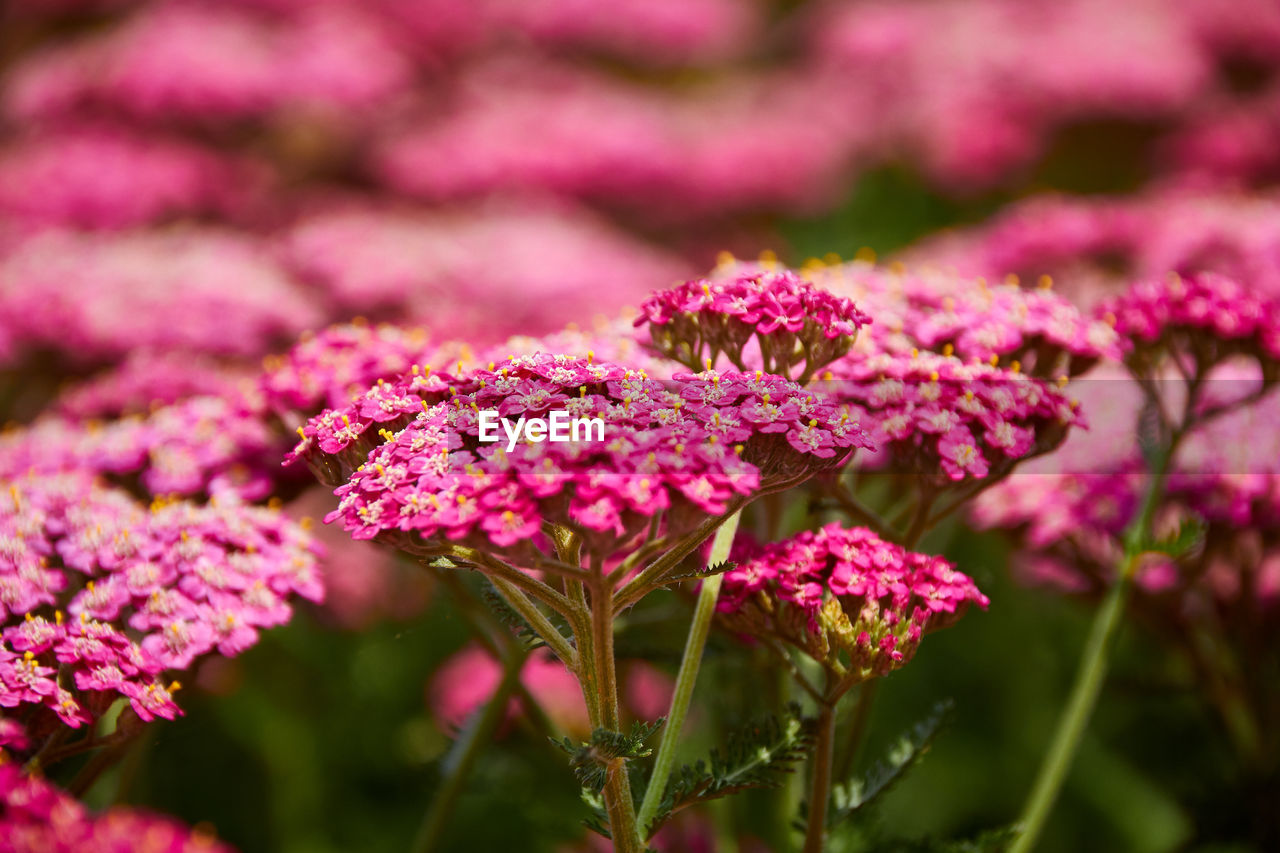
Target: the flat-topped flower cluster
(100, 595)
(700, 441)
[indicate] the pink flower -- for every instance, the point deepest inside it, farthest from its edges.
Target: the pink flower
(850, 599)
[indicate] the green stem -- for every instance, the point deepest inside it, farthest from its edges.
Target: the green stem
(858, 728)
(617, 788)
(475, 737)
(820, 787)
(1093, 668)
(688, 675)
(540, 623)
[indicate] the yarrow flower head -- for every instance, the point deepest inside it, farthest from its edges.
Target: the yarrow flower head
(327, 369)
(216, 445)
(100, 596)
(1204, 319)
(938, 417)
(774, 320)
(850, 600)
(1044, 333)
(408, 461)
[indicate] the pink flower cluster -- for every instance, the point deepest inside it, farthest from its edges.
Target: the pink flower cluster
(1093, 246)
(145, 381)
(37, 816)
(1044, 333)
(100, 596)
(98, 296)
(105, 176)
(205, 64)
(775, 320)
(934, 413)
(845, 593)
(973, 89)
(738, 143)
(326, 370)
(446, 270)
(699, 442)
(1208, 315)
(213, 445)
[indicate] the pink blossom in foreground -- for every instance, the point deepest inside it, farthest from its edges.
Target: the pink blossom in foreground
(854, 602)
(935, 415)
(775, 319)
(408, 458)
(94, 297)
(105, 176)
(100, 596)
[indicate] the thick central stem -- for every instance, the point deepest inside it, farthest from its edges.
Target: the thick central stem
(617, 788)
(820, 786)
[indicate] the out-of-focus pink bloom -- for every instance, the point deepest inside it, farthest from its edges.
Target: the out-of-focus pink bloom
(36, 817)
(363, 583)
(734, 144)
(104, 176)
(655, 32)
(973, 88)
(545, 267)
(1092, 246)
(210, 445)
(206, 63)
(94, 297)
(146, 381)
(467, 679)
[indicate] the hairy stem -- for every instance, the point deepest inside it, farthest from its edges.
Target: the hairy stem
(688, 675)
(617, 788)
(820, 782)
(540, 623)
(475, 736)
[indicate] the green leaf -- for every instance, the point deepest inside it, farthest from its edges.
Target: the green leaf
(590, 760)
(760, 755)
(1188, 538)
(850, 797)
(700, 573)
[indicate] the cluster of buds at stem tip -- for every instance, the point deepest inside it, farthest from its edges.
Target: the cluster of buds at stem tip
(856, 604)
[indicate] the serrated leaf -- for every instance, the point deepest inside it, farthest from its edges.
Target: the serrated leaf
(760, 755)
(700, 573)
(858, 793)
(515, 622)
(590, 759)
